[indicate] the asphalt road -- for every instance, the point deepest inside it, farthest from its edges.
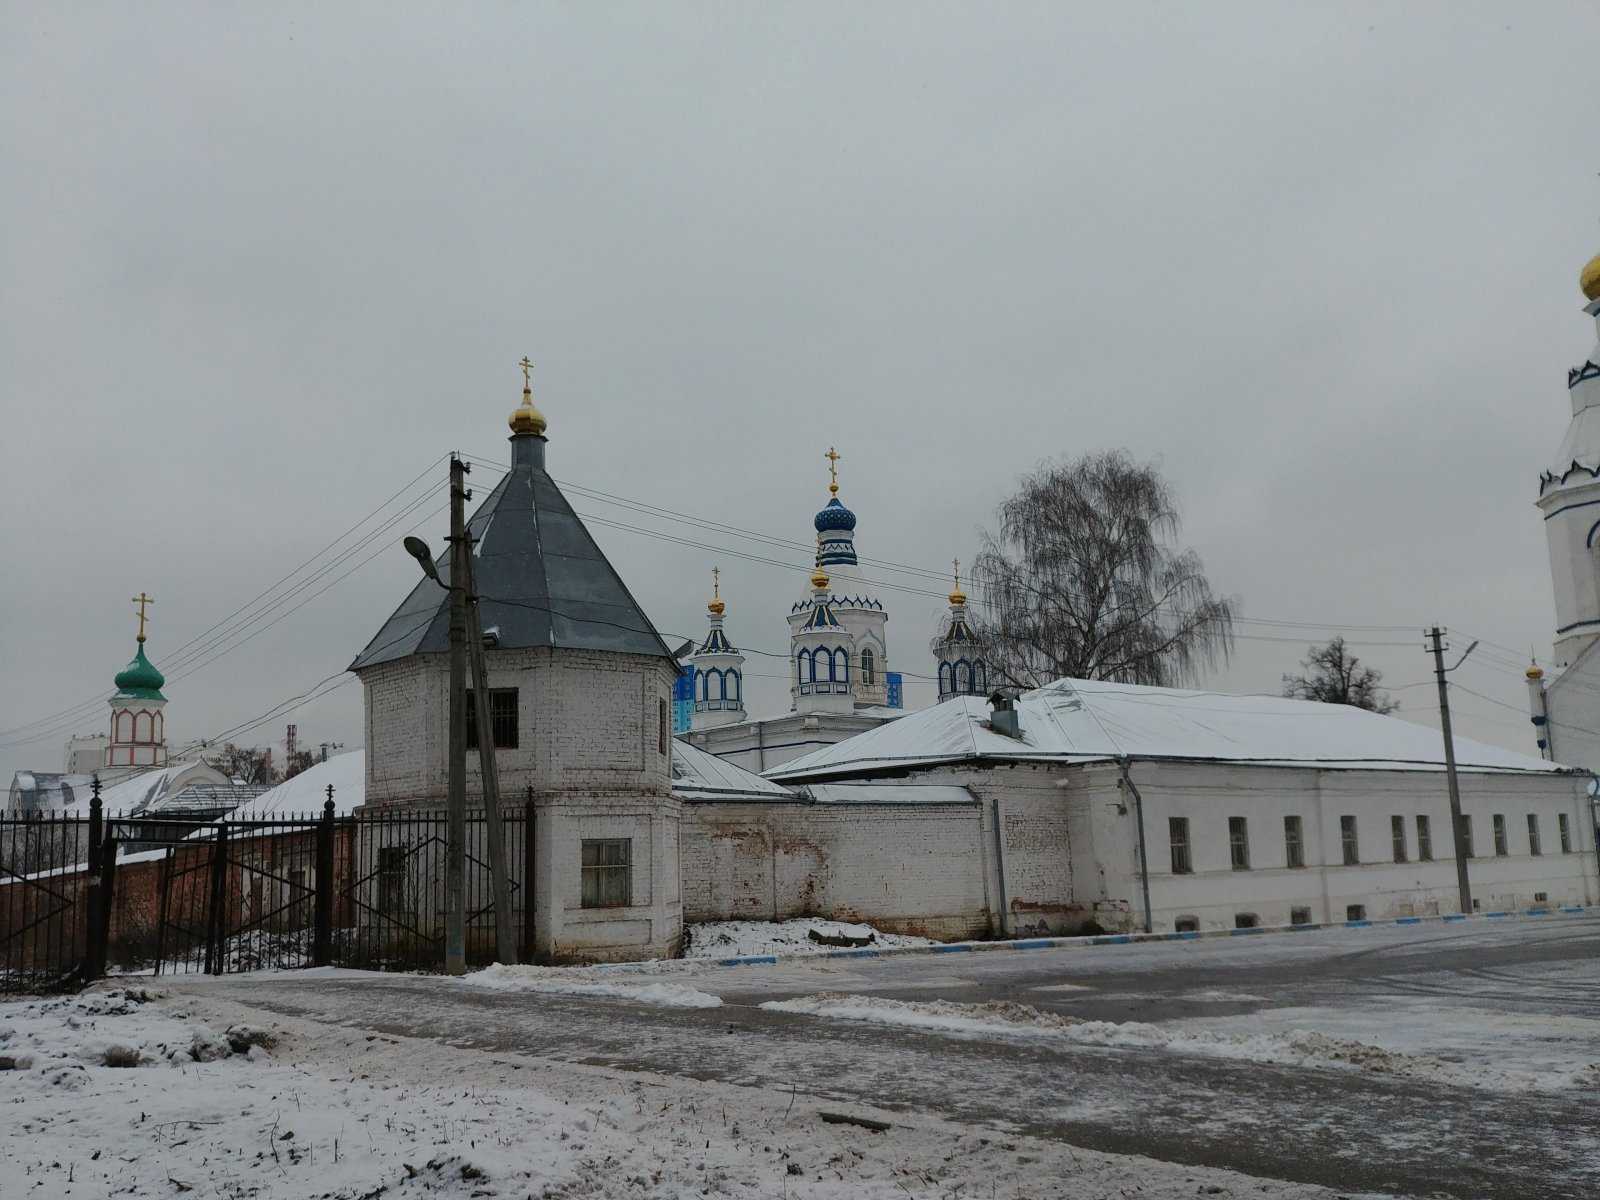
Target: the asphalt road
(1351, 1130)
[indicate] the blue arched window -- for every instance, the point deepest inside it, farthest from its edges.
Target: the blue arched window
(963, 676)
(944, 679)
(841, 666)
(700, 686)
(866, 668)
(732, 682)
(714, 685)
(803, 667)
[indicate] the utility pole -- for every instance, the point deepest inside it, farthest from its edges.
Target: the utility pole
(1436, 637)
(505, 942)
(455, 853)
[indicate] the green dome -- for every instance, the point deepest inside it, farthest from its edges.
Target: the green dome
(140, 678)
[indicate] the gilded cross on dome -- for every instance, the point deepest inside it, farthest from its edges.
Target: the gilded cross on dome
(527, 374)
(833, 457)
(143, 602)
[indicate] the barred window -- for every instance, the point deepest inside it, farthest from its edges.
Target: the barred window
(1239, 843)
(1178, 834)
(1294, 842)
(1501, 849)
(1347, 837)
(1534, 846)
(1397, 831)
(1424, 839)
(1566, 833)
(1466, 836)
(607, 872)
(868, 677)
(502, 718)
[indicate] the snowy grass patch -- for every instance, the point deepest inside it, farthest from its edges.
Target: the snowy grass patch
(576, 981)
(740, 939)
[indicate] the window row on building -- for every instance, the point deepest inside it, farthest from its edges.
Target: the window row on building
(1406, 839)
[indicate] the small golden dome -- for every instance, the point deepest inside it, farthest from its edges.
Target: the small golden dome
(819, 578)
(958, 596)
(527, 418)
(1589, 278)
(1534, 673)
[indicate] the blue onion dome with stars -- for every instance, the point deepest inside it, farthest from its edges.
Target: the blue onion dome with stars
(835, 524)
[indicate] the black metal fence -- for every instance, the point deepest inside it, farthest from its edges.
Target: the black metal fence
(84, 895)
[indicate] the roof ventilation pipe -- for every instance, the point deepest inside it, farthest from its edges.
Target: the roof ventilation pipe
(1004, 719)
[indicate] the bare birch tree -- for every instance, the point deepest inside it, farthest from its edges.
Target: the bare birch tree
(1079, 580)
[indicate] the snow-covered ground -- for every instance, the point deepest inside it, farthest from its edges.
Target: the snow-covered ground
(579, 981)
(127, 1090)
(1568, 1053)
(738, 939)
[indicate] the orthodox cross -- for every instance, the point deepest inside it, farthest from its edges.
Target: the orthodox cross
(527, 374)
(143, 602)
(716, 583)
(833, 457)
(958, 574)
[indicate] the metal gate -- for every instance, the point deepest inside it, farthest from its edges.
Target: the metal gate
(45, 901)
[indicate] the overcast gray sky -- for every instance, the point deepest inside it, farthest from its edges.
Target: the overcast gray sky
(259, 266)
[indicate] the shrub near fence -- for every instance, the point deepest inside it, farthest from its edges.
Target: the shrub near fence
(79, 896)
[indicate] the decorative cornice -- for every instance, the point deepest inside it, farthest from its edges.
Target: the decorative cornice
(1576, 375)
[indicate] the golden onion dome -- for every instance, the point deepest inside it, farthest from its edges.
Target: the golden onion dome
(527, 418)
(715, 608)
(1589, 278)
(958, 597)
(819, 578)
(1534, 673)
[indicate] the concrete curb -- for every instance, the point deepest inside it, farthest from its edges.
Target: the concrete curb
(1115, 939)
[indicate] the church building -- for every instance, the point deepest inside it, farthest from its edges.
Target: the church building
(580, 693)
(839, 678)
(1565, 705)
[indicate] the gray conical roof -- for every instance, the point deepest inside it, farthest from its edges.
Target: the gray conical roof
(542, 579)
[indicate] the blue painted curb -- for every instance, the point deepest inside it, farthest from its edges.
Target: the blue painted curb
(1100, 939)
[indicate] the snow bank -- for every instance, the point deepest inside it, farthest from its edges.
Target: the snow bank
(577, 981)
(739, 939)
(1293, 1047)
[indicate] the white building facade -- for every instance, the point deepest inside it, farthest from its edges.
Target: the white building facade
(1249, 810)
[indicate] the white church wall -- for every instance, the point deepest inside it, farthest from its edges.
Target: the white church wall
(909, 868)
(1573, 699)
(1215, 894)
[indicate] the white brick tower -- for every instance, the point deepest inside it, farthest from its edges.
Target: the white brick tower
(580, 699)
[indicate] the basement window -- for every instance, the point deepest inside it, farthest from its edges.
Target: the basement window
(1299, 916)
(502, 718)
(1355, 912)
(607, 872)
(1245, 920)
(1541, 897)
(1187, 924)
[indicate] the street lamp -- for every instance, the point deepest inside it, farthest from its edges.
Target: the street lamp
(418, 549)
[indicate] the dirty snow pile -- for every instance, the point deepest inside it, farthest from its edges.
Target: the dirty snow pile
(1292, 1047)
(309, 1111)
(581, 981)
(738, 939)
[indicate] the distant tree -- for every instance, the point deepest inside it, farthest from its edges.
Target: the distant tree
(247, 764)
(1079, 579)
(1335, 676)
(300, 760)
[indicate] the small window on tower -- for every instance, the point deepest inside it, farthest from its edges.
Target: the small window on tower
(867, 675)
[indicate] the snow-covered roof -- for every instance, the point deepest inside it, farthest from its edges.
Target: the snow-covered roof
(1075, 720)
(699, 774)
(46, 791)
(887, 793)
(305, 794)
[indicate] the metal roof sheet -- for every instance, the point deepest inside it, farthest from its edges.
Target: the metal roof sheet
(542, 579)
